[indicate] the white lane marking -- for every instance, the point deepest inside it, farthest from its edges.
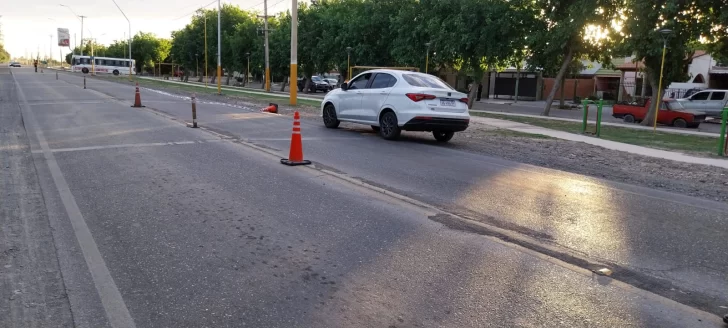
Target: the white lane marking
(80, 102)
(151, 144)
(116, 311)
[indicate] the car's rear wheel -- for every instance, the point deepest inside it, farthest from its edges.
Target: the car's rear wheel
(388, 127)
(330, 119)
(443, 136)
(628, 118)
(680, 123)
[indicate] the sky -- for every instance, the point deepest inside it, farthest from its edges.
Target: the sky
(28, 27)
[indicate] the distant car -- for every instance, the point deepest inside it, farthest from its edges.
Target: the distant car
(317, 84)
(332, 82)
(671, 113)
(14, 64)
(391, 101)
(710, 101)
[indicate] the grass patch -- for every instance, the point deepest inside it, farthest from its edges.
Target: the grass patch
(201, 89)
(646, 138)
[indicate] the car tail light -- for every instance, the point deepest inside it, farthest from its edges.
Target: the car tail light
(464, 100)
(419, 96)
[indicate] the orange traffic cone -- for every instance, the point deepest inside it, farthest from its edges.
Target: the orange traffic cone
(272, 108)
(295, 157)
(137, 97)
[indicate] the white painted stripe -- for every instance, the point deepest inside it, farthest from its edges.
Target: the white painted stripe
(116, 310)
(152, 144)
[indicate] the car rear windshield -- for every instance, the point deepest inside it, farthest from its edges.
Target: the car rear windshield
(315, 78)
(674, 105)
(425, 81)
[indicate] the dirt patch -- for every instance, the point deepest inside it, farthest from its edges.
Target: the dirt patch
(689, 179)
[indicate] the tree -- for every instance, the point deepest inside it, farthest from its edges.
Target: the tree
(148, 49)
(643, 40)
(569, 30)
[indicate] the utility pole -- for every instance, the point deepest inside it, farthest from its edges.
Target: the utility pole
(219, 44)
(265, 32)
(205, 50)
(50, 50)
(293, 89)
(82, 17)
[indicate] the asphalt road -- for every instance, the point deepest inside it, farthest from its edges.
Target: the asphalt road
(159, 225)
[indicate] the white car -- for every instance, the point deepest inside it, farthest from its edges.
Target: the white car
(391, 101)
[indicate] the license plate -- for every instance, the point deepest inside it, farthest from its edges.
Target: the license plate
(447, 102)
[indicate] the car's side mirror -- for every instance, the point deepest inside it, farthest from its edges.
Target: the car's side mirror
(344, 86)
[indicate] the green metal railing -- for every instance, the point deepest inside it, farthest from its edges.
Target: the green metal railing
(598, 128)
(722, 144)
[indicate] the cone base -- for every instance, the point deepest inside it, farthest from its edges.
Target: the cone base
(140, 106)
(285, 161)
(192, 125)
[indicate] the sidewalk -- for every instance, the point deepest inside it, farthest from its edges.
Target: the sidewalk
(621, 125)
(639, 150)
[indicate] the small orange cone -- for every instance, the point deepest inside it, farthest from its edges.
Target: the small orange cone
(272, 108)
(137, 97)
(295, 157)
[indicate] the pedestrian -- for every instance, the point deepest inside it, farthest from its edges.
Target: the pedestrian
(480, 91)
(35, 64)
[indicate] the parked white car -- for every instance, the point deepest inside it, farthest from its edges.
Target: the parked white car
(392, 101)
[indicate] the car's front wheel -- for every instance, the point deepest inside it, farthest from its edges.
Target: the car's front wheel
(116, 72)
(680, 123)
(443, 136)
(330, 119)
(388, 127)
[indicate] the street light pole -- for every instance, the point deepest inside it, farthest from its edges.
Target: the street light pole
(293, 90)
(219, 45)
(128, 21)
(50, 50)
(205, 50)
(197, 65)
(427, 57)
(664, 33)
(247, 72)
(348, 63)
(265, 26)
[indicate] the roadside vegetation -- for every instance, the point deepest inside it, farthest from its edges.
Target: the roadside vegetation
(660, 140)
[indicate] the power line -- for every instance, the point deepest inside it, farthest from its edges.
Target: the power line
(205, 6)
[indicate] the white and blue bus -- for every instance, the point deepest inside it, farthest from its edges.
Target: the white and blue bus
(116, 66)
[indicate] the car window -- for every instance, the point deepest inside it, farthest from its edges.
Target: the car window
(383, 80)
(700, 96)
(717, 95)
(425, 81)
(360, 82)
(675, 106)
(315, 78)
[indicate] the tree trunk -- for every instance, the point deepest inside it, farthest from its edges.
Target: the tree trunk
(307, 85)
(262, 85)
(245, 80)
(473, 92)
(283, 85)
(199, 78)
(562, 102)
(656, 94)
(212, 81)
(557, 82)
(518, 79)
(227, 81)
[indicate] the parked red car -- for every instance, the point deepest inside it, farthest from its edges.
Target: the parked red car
(671, 113)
